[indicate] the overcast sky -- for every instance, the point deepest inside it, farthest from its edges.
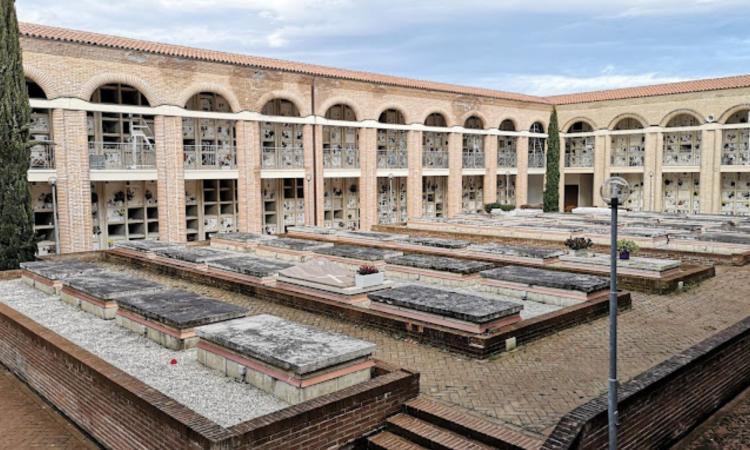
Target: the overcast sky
(534, 47)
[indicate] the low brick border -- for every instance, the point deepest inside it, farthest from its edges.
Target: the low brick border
(657, 408)
(474, 345)
(120, 411)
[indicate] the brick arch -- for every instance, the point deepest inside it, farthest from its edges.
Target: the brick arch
(446, 115)
(569, 123)
(333, 101)
(622, 116)
(671, 115)
(207, 86)
(513, 121)
(466, 115)
(407, 118)
(93, 83)
(532, 121)
(728, 113)
(41, 78)
(296, 99)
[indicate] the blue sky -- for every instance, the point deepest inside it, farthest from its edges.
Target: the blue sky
(534, 47)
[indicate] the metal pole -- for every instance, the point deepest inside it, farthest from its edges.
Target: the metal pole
(612, 385)
(54, 217)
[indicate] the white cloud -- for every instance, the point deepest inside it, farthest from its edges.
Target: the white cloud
(550, 84)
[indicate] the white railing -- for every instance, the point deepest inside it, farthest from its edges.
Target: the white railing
(42, 155)
(121, 155)
(435, 159)
(392, 159)
(282, 158)
(209, 156)
(473, 159)
(337, 157)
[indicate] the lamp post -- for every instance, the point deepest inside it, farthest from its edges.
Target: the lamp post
(614, 192)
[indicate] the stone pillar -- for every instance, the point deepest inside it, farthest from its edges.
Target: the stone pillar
(249, 197)
(601, 166)
(455, 178)
(490, 172)
(73, 181)
(561, 186)
(368, 180)
(308, 150)
(522, 170)
(319, 175)
(717, 182)
(414, 180)
(708, 195)
(657, 151)
(171, 178)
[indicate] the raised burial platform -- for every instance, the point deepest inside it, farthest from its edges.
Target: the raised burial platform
(435, 269)
(461, 311)
(170, 316)
(259, 270)
(327, 279)
(289, 249)
(238, 241)
(644, 267)
(452, 244)
(47, 276)
(149, 246)
(545, 286)
(97, 292)
(357, 255)
(515, 253)
(195, 255)
(289, 360)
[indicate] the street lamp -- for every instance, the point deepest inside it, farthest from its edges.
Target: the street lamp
(614, 192)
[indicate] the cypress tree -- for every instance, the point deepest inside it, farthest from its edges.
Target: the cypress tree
(16, 216)
(552, 185)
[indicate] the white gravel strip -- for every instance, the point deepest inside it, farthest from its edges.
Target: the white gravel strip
(203, 390)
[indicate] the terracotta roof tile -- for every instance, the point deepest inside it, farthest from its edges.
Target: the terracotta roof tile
(83, 37)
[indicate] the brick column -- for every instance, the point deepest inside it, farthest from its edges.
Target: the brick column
(309, 153)
(414, 180)
(171, 178)
(368, 180)
(490, 172)
(601, 167)
(249, 198)
(710, 194)
(319, 175)
(455, 178)
(716, 184)
(522, 171)
(561, 186)
(657, 141)
(73, 181)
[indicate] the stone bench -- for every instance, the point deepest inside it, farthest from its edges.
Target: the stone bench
(435, 269)
(48, 276)
(170, 316)
(600, 263)
(543, 285)
(326, 279)
(294, 362)
(290, 249)
(238, 241)
(515, 253)
(97, 292)
(263, 271)
(457, 310)
(357, 255)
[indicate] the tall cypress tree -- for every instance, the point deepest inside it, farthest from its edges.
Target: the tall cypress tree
(552, 186)
(16, 216)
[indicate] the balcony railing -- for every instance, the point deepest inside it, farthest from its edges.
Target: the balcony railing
(392, 159)
(337, 157)
(121, 155)
(42, 156)
(473, 160)
(536, 159)
(210, 156)
(283, 158)
(435, 159)
(506, 159)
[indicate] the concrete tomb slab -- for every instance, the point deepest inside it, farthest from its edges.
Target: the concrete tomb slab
(360, 254)
(326, 279)
(250, 265)
(292, 361)
(198, 255)
(517, 252)
(145, 245)
(97, 292)
(462, 311)
(374, 235)
(170, 316)
(438, 242)
(311, 230)
(598, 262)
(47, 276)
(239, 236)
(290, 249)
(725, 238)
(440, 263)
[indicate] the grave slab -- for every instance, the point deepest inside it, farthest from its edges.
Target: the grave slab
(438, 242)
(263, 269)
(516, 253)
(145, 245)
(597, 262)
(725, 238)
(326, 279)
(238, 241)
(466, 312)
(356, 254)
(197, 255)
(170, 316)
(292, 361)
(290, 249)
(373, 235)
(47, 276)
(440, 263)
(97, 292)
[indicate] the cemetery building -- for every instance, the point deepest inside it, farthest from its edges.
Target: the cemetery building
(145, 140)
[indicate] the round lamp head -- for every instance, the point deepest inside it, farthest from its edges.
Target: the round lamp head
(615, 187)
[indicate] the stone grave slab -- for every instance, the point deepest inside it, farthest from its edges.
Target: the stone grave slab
(169, 316)
(543, 285)
(438, 242)
(441, 270)
(326, 279)
(516, 253)
(290, 249)
(311, 230)
(373, 235)
(47, 276)
(292, 361)
(263, 269)
(97, 292)
(725, 238)
(465, 312)
(357, 254)
(196, 255)
(598, 262)
(145, 245)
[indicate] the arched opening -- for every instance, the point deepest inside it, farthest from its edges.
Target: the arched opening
(392, 154)
(282, 148)
(436, 120)
(34, 90)
(435, 143)
(506, 147)
(628, 150)
(579, 150)
(42, 152)
(473, 144)
(340, 144)
(682, 148)
(208, 143)
(536, 146)
(736, 141)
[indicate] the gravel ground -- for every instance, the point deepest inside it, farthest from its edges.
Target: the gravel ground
(203, 390)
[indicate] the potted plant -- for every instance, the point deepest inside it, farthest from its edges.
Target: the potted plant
(579, 246)
(626, 247)
(368, 275)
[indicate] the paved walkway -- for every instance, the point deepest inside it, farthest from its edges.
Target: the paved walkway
(27, 422)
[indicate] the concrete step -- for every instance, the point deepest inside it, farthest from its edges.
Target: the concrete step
(429, 435)
(385, 440)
